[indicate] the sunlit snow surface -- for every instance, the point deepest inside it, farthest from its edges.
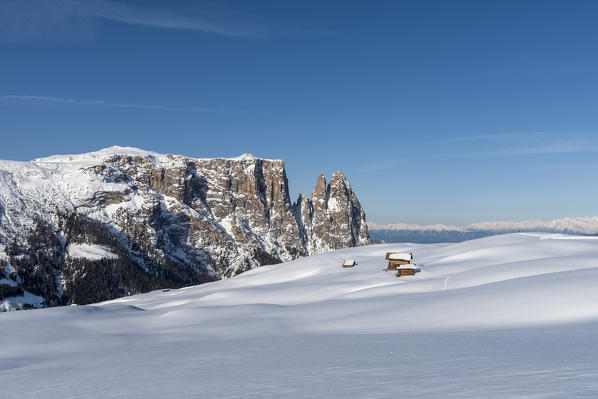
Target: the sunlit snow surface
(506, 316)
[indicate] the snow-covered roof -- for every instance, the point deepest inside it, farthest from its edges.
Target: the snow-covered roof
(349, 262)
(407, 266)
(400, 256)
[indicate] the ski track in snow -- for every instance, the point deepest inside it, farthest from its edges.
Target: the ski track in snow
(505, 316)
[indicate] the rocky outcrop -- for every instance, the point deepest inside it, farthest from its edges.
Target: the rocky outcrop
(332, 218)
(171, 220)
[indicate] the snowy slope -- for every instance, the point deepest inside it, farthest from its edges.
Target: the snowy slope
(505, 316)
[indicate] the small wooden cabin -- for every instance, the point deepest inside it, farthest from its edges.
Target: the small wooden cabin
(349, 263)
(396, 259)
(401, 262)
(405, 271)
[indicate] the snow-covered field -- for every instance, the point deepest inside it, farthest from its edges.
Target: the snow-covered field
(506, 316)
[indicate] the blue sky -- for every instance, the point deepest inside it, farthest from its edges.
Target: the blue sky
(437, 112)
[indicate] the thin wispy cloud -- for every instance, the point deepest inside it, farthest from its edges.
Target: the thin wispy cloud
(48, 100)
(42, 18)
(560, 167)
(524, 143)
(497, 137)
(557, 147)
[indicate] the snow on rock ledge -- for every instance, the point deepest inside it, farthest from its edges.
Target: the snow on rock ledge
(90, 252)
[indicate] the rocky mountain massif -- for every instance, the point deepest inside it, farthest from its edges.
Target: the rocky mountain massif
(90, 227)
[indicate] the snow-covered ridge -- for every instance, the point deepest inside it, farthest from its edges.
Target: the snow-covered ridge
(416, 233)
(135, 152)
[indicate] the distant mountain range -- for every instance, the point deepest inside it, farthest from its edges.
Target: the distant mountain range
(442, 233)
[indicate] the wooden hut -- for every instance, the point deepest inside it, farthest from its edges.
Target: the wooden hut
(396, 259)
(405, 270)
(401, 262)
(348, 263)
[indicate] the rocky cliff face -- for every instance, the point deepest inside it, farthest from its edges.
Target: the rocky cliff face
(332, 218)
(89, 227)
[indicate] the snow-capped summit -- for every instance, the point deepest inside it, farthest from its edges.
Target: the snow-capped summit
(246, 157)
(98, 155)
(117, 150)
